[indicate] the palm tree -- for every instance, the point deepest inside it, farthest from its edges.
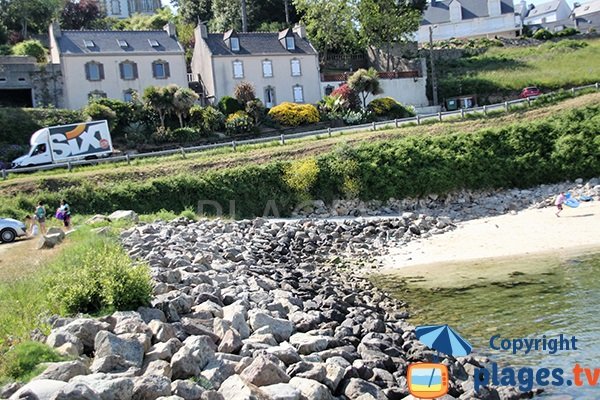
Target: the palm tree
(365, 82)
(183, 100)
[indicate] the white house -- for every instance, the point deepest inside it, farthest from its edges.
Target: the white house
(468, 19)
(552, 11)
(115, 64)
(126, 8)
(587, 15)
(282, 66)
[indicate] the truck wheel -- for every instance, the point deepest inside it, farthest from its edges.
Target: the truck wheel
(8, 235)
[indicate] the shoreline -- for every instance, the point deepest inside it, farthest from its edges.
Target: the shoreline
(528, 236)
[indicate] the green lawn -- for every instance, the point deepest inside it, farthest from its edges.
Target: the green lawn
(507, 70)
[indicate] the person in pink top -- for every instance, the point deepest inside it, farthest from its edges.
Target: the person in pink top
(560, 200)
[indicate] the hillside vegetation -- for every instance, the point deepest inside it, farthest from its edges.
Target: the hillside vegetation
(507, 70)
(517, 150)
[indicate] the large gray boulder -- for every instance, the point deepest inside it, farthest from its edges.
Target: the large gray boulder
(310, 389)
(189, 361)
(76, 391)
(42, 389)
(236, 314)
(64, 371)
(264, 372)
(127, 215)
(235, 388)
(280, 328)
(107, 386)
(123, 353)
(151, 387)
(85, 329)
(308, 344)
(281, 391)
(187, 389)
(357, 387)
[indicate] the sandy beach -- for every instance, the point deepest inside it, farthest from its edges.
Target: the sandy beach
(529, 233)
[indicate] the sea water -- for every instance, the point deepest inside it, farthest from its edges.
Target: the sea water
(551, 298)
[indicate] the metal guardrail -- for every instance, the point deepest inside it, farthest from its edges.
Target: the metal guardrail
(284, 137)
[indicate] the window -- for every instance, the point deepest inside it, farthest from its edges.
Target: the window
(115, 7)
(238, 69)
(290, 44)
(96, 94)
(128, 70)
(153, 43)
(269, 96)
(328, 90)
(40, 149)
(298, 94)
(160, 69)
(234, 42)
(296, 70)
(89, 44)
(122, 43)
(94, 71)
(267, 67)
(128, 95)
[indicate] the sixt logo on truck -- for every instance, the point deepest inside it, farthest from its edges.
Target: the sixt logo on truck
(79, 140)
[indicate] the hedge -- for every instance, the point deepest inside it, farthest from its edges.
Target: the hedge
(19, 123)
(565, 146)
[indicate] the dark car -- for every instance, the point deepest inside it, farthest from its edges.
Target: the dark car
(530, 91)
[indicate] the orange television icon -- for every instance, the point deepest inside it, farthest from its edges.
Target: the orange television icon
(427, 380)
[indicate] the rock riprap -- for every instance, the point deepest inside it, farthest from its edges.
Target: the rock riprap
(252, 309)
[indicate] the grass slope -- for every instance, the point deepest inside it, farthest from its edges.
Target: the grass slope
(507, 70)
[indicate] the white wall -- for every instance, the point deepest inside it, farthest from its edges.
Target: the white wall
(77, 87)
(504, 25)
(408, 91)
(282, 80)
(563, 12)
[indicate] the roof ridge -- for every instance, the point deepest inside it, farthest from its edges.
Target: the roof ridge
(113, 31)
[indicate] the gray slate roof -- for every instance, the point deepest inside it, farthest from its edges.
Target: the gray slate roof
(544, 8)
(256, 43)
(72, 42)
(439, 12)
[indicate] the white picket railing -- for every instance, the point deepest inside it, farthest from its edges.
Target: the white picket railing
(282, 138)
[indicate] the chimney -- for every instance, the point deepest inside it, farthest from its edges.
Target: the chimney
(300, 30)
(55, 30)
(201, 31)
(170, 28)
(494, 8)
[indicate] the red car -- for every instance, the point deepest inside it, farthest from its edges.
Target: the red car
(530, 92)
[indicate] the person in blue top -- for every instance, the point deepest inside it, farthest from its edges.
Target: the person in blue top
(40, 217)
(66, 213)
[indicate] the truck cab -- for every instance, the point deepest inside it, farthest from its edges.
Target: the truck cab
(40, 152)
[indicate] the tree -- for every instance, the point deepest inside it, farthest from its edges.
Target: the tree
(329, 24)
(160, 99)
(365, 82)
(193, 11)
(383, 22)
(183, 100)
(31, 48)
(30, 15)
(80, 14)
(244, 92)
(227, 15)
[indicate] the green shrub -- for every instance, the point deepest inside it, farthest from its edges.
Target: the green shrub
(99, 276)
(228, 105)
(184, 135)
(207, 119)
(21, 361)
(19, 123)
(566, 32)
(33, 48)
(301, 175)
(256, 110)
(239, 123)
(126, 114)
(387, 107)
(96, 112)
(543, 34)
(5, 50)
(294, 114)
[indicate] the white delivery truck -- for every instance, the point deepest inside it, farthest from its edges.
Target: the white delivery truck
(63, 143)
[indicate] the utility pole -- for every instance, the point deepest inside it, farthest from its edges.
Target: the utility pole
(433, 79)
(244, 16)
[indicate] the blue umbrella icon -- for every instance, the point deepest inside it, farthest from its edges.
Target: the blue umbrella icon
(443, 339)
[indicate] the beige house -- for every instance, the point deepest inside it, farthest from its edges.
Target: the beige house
(115, 64)
(282, 66)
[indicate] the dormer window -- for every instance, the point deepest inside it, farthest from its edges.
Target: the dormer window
(290, 43)
(235, 44)
(122, 43)
(232, 40)
(89, 44)
(153, 43)
(287, 40)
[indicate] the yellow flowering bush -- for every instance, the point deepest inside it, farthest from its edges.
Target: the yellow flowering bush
(294, 114)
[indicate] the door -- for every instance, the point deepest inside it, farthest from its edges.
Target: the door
(269, 97)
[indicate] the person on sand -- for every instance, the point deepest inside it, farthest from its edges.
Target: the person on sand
(560, 200)
(40, 217)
